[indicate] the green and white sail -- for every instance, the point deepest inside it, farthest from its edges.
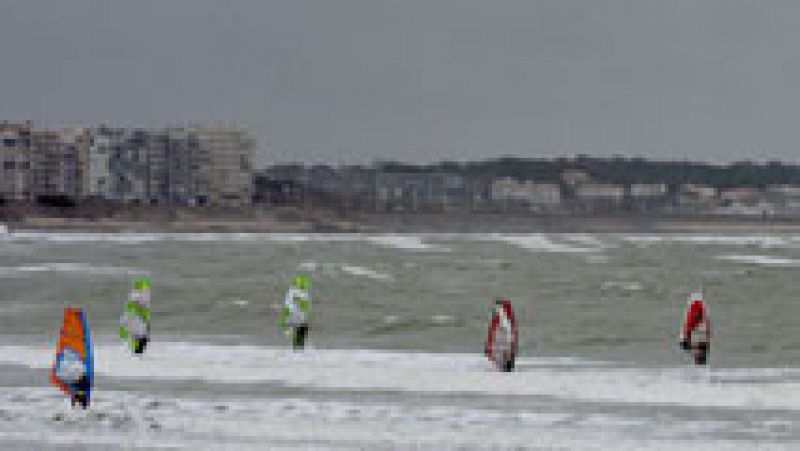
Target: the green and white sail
(296, 304)
(135, 320)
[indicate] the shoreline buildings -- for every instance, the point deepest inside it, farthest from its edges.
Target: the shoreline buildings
(550, 187)
(213, 166)
(172, 166)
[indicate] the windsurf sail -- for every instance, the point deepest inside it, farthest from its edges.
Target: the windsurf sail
(502, 337)
(695, 334)
(293, 318)
(73, 369)
(134, 327)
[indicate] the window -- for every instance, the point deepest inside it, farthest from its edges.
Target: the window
(8, 165)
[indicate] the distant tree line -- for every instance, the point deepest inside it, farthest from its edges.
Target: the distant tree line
(617, 170)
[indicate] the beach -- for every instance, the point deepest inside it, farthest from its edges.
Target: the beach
(331, 221)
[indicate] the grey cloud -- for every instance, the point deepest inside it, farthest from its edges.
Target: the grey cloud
(421, 80)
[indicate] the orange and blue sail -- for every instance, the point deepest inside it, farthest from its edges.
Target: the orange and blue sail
(73, 369)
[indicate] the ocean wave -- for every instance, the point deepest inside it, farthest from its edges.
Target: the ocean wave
(82, 237)
(442, 319)
(307, 266)
(583, 238)
(242, 303)
(764, 241)
(410, 324)
(72, 268)
(621, 285)
(542, 243)
(365, 272)
(147, 237)
(136, 419)
(762, 260)
(413, 242)
(353, 270)
(426, 373)
(405, 242)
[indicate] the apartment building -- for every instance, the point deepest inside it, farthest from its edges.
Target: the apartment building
(221, 167)
(46, 163)
(528, 192)
(15, 153)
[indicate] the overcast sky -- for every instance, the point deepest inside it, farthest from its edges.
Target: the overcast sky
(355, 81)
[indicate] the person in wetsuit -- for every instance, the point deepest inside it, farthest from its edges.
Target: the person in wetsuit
(81, 394)
(140, 344)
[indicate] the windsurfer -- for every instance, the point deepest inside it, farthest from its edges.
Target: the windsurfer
(502, 337)
(294, 316)
(695, 336)
(72, 370)
(135, 321)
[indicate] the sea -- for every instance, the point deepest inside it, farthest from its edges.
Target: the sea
(395, 359)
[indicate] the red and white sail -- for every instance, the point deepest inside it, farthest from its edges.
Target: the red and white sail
(502, 337)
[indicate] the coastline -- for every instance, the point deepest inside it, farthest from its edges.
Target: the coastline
(326, 222)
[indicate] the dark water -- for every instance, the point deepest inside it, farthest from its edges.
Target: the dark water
(613, 296)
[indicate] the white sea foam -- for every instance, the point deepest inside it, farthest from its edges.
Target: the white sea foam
(365, 272)
(13, 308)
(144, 237)
(298, 237)
(307, 266)
(425, 373)
(542, 243)
(762, 260)
(442, 319)
(764, 241)
(131, 419)
(260, 237)
(405, 242)
(582, 238)
(81, 237)
(72, 268)
(411, 242)
(414, 242)
(621, 285)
